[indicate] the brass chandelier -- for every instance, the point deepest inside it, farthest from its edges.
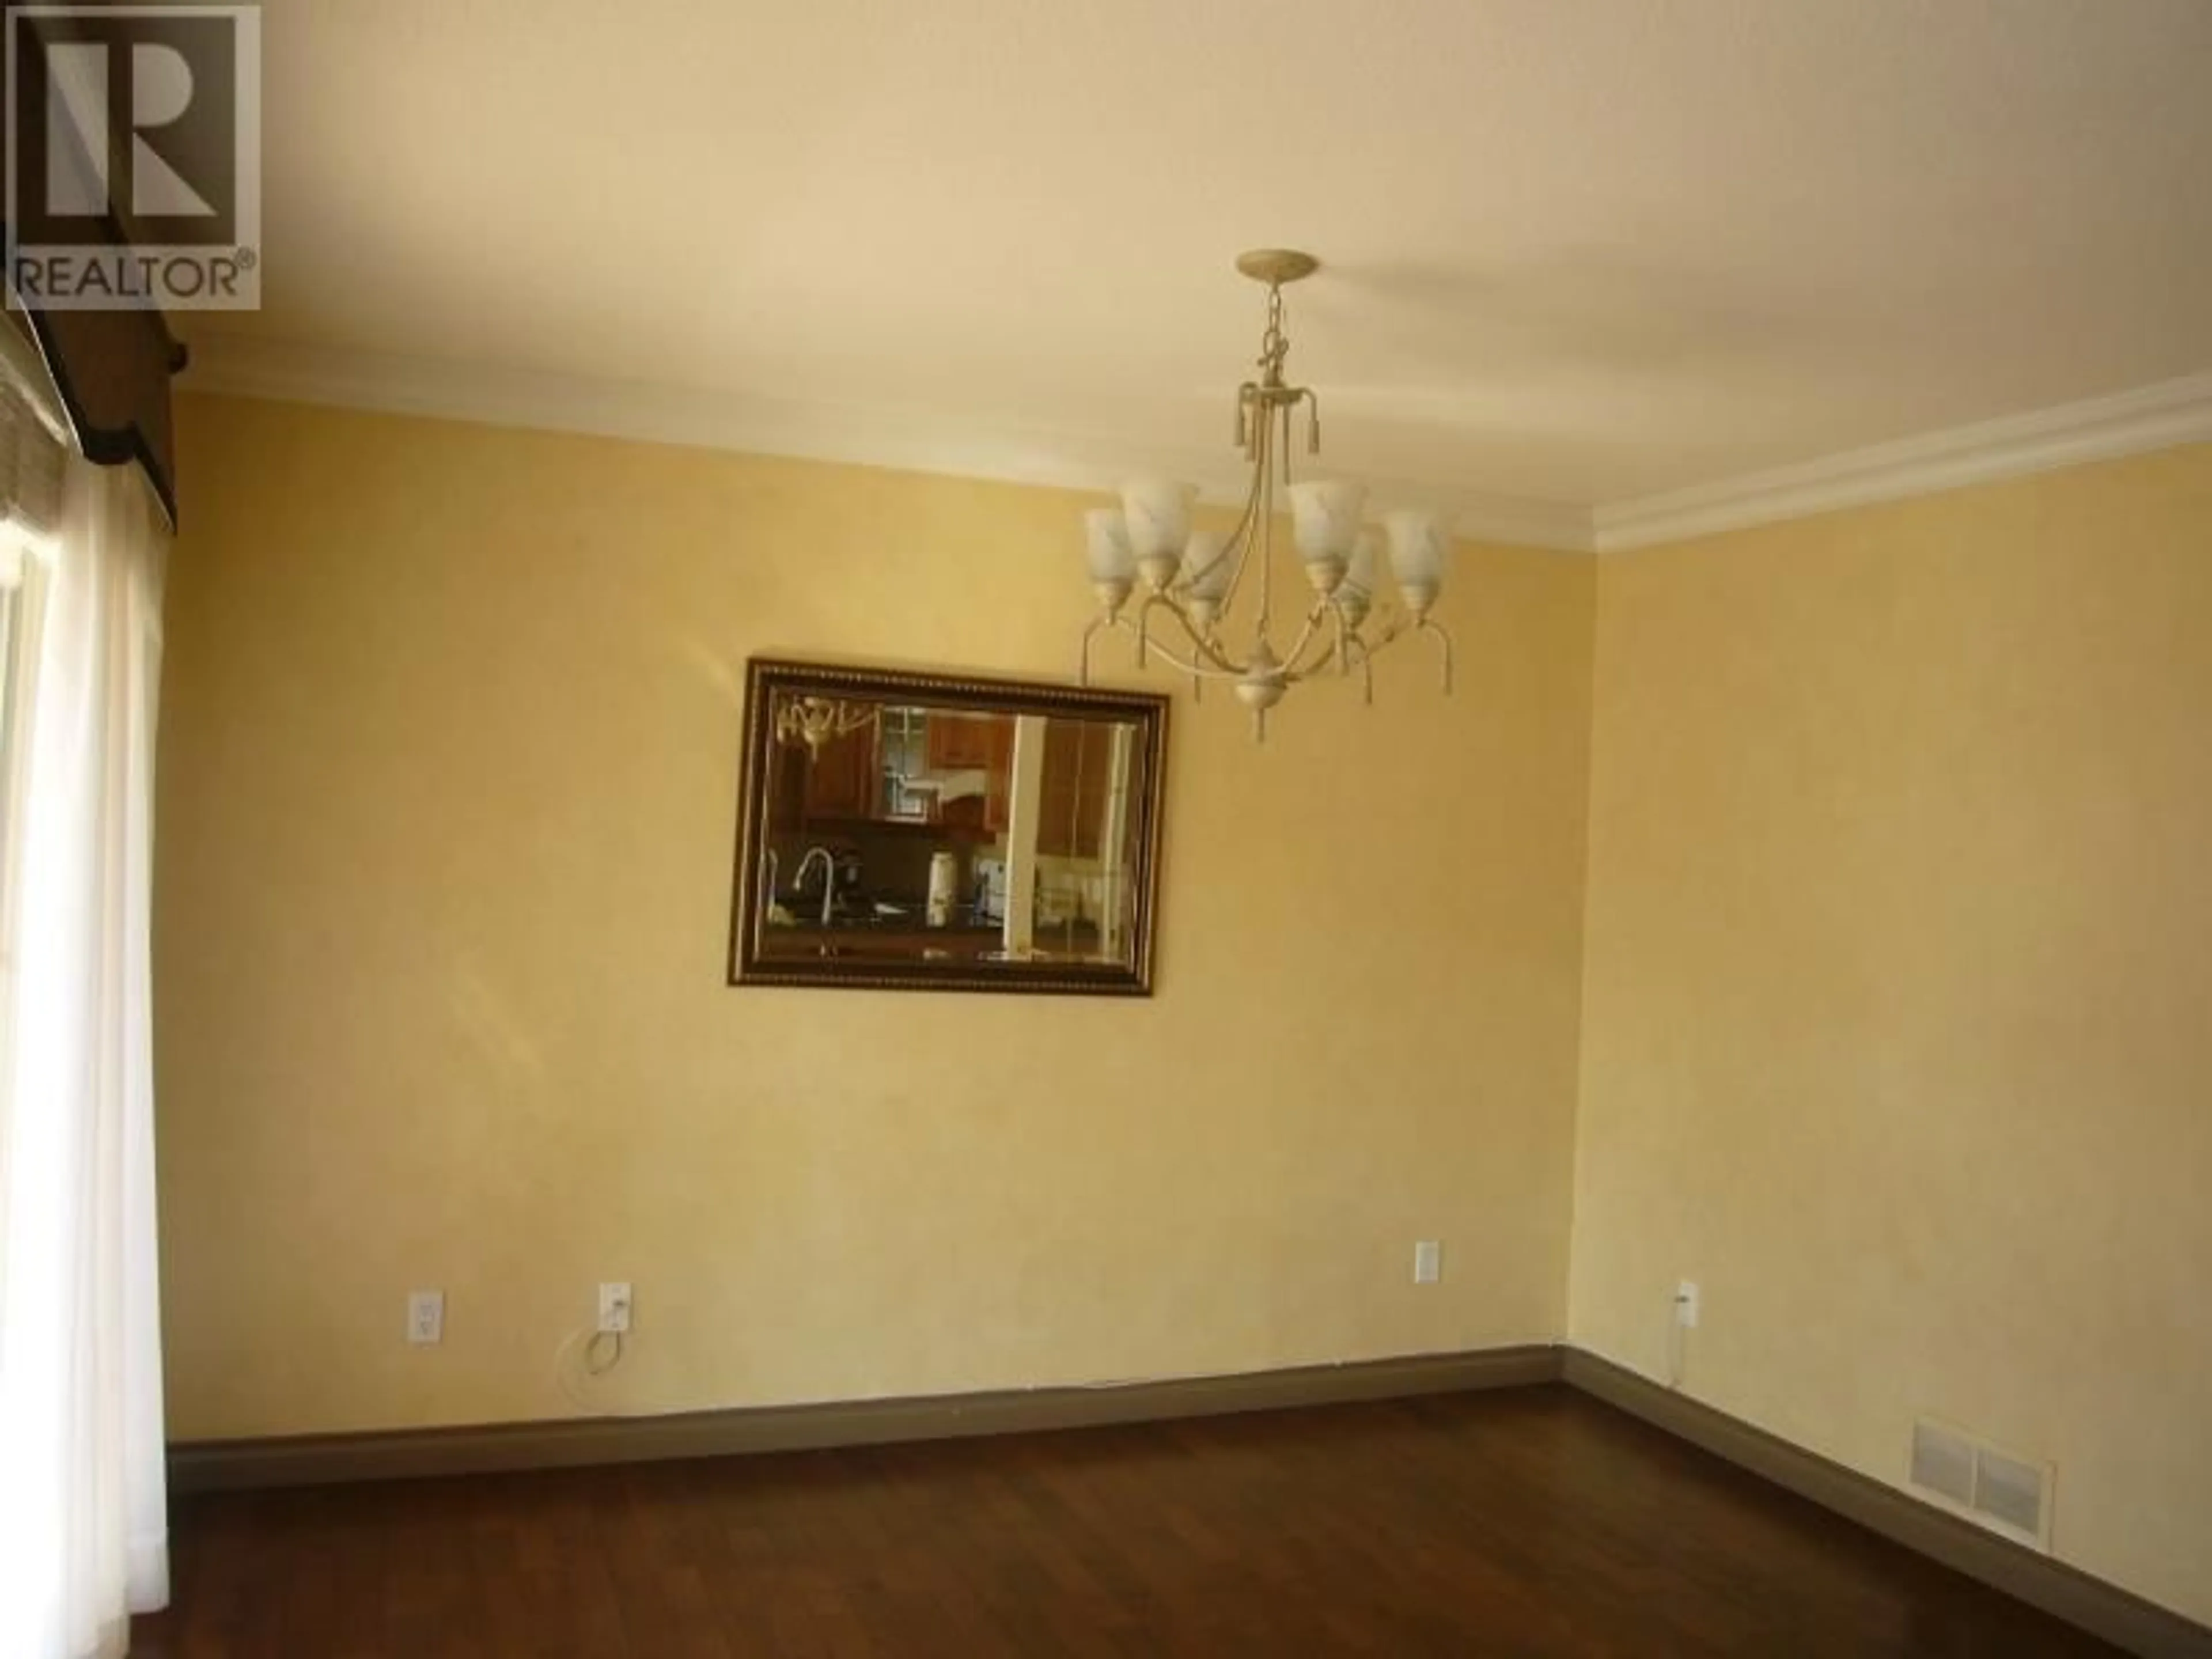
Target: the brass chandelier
(1194, 576)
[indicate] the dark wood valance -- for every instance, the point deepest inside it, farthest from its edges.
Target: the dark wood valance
(111, 368)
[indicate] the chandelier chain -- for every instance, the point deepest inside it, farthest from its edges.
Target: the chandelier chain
(1274, 344)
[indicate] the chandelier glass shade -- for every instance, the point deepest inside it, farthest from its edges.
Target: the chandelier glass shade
(1156, 575)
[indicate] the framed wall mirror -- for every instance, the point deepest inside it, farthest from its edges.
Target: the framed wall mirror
(935, 832)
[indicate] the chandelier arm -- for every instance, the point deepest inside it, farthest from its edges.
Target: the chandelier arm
(1265, 529)
(1255, 507)
(1104, 619)
(1279, 481)
(1324, 659)
(1292, 669)
(1394, 629)
(1363, 653)
(1202, 646)
(1238, 545)
(1228, 550)
(1277, 476)
(1191, 666)
(1444, 645)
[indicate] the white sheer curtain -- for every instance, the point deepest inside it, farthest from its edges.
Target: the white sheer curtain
(83, 1535)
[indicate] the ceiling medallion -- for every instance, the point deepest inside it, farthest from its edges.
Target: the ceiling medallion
(1194, 576)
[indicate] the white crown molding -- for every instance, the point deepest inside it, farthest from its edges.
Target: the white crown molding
(236, 366)
(2151, 417)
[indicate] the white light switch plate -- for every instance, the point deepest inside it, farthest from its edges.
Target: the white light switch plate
(426, 1317)
(1428, 1261)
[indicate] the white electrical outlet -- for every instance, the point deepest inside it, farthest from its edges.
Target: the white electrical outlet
(1428, 1261)
(614, 1309)
(426, 1317)
(1686, 1304)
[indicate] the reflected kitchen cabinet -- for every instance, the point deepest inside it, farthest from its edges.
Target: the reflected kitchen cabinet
(973, 749)
(841, 783)
(909, 766)
(838, 782)
(963, 742)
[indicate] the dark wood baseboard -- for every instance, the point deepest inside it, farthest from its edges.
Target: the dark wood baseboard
(2066, 1593)
(2087, 1602)
(381, 1455)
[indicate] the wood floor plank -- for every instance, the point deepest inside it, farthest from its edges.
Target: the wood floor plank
(1531, 1522)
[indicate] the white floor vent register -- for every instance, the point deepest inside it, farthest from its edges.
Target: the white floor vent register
(2008, 1494)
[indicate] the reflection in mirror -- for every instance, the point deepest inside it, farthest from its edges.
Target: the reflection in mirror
(924, 830)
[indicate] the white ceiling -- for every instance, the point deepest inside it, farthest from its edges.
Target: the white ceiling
(1578, 253)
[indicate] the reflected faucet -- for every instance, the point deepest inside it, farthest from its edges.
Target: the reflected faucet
(829, 878)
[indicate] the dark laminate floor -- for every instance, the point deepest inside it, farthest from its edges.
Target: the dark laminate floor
(1526, 1523)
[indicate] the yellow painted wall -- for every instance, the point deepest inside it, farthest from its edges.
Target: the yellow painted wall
(447, 783)
(1898, 1001)
(1894, 1023)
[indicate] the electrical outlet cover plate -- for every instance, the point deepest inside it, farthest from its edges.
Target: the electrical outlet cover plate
(1428, 1261)
(614, 1309)
(426, 1317)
